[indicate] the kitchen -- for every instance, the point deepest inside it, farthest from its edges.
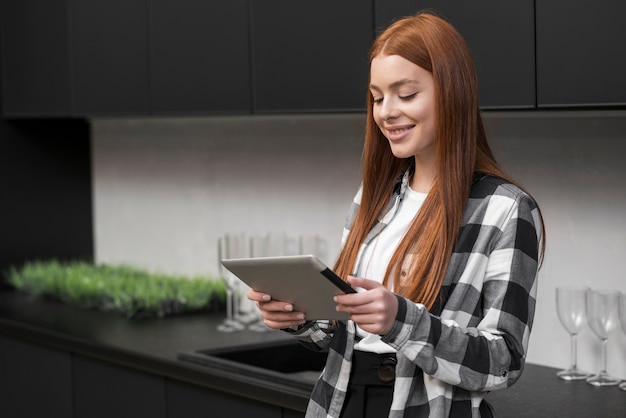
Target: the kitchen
(163, 188)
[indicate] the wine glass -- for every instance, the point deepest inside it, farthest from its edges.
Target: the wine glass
(570, 305)
(258, 248)
(622, 321)
(602, 314)
(226, 248)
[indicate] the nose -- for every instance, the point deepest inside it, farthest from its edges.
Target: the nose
(389, 109)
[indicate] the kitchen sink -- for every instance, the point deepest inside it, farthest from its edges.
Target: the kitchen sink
(284, 362)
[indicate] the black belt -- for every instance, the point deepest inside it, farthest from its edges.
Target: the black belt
(373, 369)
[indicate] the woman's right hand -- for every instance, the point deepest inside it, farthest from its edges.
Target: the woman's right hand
(276, 314)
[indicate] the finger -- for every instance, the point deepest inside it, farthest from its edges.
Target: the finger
(275, 306)
(362, 286)
(353, 299)
(363, 283)
(356, 309)
(282, 320)
(258, 296)
(372, 301)
(283, 316)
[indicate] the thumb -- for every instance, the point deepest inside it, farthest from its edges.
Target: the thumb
(363, 283)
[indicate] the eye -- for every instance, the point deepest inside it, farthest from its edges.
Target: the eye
(377, 100)
(408, 97)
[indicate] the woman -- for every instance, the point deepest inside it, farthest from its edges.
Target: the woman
(444, 247)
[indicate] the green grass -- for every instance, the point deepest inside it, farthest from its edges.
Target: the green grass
(125, 290)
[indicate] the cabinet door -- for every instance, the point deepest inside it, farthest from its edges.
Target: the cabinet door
(310, 56)
(187, 401)
(200, 56)
(288, 413)
(34, 381)
(581, 55)
(45, 167)
(106, 390)
(500, 35)
(35, 76)
(110, 69)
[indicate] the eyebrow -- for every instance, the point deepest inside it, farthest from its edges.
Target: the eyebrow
(396, 84)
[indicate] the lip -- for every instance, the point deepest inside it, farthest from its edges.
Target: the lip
(396, 133)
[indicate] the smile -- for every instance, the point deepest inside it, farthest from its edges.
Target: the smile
(397, 133)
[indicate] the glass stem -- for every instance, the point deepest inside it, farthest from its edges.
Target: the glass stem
(573, 353)
(604, 344)
(235, 304)
(229, 303)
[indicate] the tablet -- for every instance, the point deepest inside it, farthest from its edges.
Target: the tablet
(302, 280)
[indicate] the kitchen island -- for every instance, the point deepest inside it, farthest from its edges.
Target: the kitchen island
(61, 361)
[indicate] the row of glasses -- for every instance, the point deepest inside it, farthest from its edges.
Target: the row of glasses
(230, 246)
(240, 312)
(602, 310)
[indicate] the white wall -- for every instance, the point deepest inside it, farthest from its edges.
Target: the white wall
(165, 189)
(574, 163)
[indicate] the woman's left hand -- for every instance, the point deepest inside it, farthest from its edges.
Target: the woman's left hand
(374, 310)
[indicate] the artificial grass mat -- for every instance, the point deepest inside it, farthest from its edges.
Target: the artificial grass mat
(121, 289)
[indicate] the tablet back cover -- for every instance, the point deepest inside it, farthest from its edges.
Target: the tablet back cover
(295, 279)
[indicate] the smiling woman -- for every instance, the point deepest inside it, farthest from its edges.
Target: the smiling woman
(444, 246)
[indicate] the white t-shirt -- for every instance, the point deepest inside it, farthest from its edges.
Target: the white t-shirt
(377, 255)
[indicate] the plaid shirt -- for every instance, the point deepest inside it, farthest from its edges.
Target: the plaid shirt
(475, 339)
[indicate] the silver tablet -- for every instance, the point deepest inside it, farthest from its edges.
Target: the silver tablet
(300, 279)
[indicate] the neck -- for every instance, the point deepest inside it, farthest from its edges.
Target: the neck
(423, 176)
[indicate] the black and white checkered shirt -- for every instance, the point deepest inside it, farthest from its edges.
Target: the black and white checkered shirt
(475, 339)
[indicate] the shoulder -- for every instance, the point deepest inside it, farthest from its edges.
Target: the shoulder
(495, 201)
(485, 188)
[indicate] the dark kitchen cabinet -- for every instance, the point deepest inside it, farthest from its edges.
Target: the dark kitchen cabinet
(125, 57)
(35, 56)
(310, 56)
(37, 381)
(107, 390)
(109, 57)
(188, 401)
(34, 381)
(200, 56)
(91, 58)
(500, 35)
(65, 58)
(46, 191)
(581, 57)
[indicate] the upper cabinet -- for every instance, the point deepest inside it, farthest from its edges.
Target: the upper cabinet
(109, 63)
(500, 35)
(200, 56)
(34, 58)
(311, 56)
(97, 58)
(581, 57)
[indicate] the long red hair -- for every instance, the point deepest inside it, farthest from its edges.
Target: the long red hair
(461, 149)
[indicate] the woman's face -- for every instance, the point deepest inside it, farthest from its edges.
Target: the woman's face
(404, 106)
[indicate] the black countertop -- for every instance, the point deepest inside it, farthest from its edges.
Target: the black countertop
(153, 345)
